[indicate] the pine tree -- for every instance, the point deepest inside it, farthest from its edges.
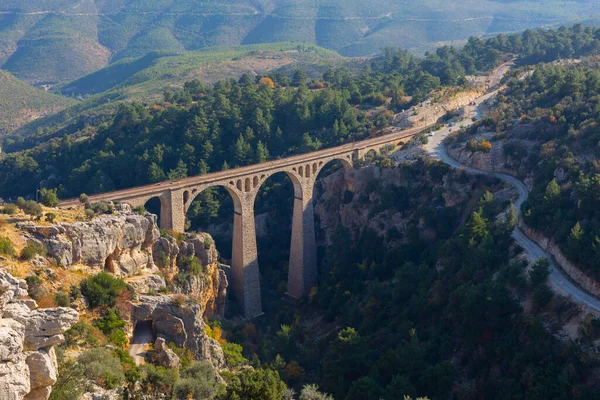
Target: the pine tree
(180, 172)
(155, 173)
(242, 151)
(262, 153)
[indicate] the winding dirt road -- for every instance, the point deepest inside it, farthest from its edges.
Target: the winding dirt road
(557, 278)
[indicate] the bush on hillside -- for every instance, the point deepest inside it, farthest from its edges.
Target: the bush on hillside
(50, 217)
(32, 249)
(62, 299)
(102, 367)
(10, 209)
(102, 289)
(31, 208)
(198, 381)
(49, 197)
(233, 354)
(7, 248)
(256, 384)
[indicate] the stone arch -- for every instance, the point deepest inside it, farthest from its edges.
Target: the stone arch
(307, 170)
(158, 205)
(371, 154)
(301, 171)
(293, 175)
(287, 197)
(237, 201)
(247, 185)
(255, 182)
(186, 197)
(344, 161)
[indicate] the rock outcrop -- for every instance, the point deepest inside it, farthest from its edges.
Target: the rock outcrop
(120, 243)
(377, 199)
(431, 110)
(175, 320)
(210, 289)
(163, 355)
(28, 366)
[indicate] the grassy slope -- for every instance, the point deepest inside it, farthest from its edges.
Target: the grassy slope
(44, 41)
(20, 103)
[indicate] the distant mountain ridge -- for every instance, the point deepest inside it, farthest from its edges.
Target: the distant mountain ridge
(57, 41)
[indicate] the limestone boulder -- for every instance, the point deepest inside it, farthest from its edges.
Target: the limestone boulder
(181, 323)
(164, 356)
(28, 366)
(14, 378)
(43, 368)
(147, 284)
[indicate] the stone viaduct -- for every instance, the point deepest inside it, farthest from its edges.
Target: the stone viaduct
(243, 185)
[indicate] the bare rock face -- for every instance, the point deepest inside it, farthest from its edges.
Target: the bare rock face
(211, 288)
(120, 243)
(166, 250)
(147, 284)
(180, 323)
(28, 366)
(164, 356)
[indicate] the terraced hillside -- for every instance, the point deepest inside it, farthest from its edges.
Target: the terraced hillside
(49, 42)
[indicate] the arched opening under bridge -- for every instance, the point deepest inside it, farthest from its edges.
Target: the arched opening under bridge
(273, 210)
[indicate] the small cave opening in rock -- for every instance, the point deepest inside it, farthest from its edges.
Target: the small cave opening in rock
(109, 265)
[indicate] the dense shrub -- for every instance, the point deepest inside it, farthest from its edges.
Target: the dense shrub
(198, 381)
(62, 299)
(311, 392)
(32, 249)
(190, 265)
(102, 289)
(233, 354)
(112, 325)
(31, 208)
(102, 207)
(102, 367)
(256, 384)
(158, 381)
(7, 248)
(50, 217)
(10, 209)
(49, 197)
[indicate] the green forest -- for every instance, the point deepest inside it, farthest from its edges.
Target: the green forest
(205, 128)
(435, 309)
(556, 108)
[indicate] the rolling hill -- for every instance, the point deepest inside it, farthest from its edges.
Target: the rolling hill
(146, 78)
(21, 103)
(54, 42)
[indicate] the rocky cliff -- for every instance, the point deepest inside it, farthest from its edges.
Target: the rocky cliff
(28, 366)
(210, 288)
(431, 110)
(176, 320)
(397, 202)
(120, 243)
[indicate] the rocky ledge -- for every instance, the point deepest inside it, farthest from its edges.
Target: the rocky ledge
(120, 243)
(28, 366)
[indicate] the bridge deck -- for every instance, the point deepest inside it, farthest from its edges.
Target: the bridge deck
(250, 169)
